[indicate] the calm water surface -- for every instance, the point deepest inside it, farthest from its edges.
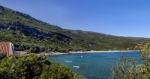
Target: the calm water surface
(93, 65)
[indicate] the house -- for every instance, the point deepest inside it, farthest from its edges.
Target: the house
(6, 48)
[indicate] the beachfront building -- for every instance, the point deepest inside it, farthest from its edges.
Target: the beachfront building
(6, 48)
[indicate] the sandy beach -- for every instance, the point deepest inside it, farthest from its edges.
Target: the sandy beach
(79, 52)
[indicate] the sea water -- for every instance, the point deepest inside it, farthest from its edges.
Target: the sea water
(93, 65)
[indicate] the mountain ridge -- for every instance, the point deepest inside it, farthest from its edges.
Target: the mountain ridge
(28, 33)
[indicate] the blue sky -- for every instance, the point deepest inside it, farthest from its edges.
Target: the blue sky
(116, 17)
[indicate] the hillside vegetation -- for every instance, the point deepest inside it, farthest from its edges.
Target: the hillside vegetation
(28, 33)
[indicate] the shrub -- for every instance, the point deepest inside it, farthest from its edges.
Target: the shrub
(31, 66)
(129, 70)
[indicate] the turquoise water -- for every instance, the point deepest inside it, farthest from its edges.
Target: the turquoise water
(93, 65)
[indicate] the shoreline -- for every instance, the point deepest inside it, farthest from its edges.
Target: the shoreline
(82, 52)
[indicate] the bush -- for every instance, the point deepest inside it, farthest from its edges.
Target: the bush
(31, 66)
(124, 69)
(129, 70)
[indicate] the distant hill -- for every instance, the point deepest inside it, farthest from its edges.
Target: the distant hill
(30, 34)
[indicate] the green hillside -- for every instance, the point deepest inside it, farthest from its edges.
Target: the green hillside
(28, 33)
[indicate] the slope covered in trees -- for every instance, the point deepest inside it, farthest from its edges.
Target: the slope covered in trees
(28, 33)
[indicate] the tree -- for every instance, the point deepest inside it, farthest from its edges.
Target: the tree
(31, 66)
(128, 70)
(124, 69)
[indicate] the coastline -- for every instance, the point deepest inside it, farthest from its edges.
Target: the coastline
(80, 52)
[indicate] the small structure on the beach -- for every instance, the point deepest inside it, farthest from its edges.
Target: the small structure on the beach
(6, 48)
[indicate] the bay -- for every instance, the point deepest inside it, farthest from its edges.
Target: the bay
(93, 65)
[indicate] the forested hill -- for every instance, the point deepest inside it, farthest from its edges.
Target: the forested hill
(28, 33)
